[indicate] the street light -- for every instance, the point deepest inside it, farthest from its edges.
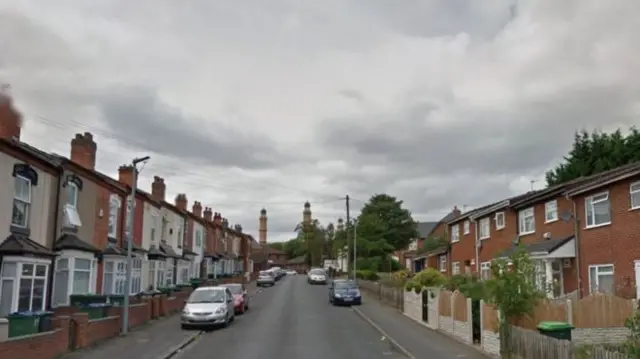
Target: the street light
(355, 247)
(129, 234)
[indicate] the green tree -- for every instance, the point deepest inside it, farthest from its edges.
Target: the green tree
(385, 225)
(596, 152)
(313, 238)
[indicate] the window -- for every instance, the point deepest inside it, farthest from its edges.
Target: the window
(161, 267)
(526, 221)
(198, 238)
(128, 229)
(114, 277)
(485, 228)
(500, 220)
(601, 279)
(466, 227)
(455, 268)
(72, 194)
(455, 233)
(485, 270)
(180, 232)
(597, 210)
(114, 206)
(21, 202)
(551, 211)
(443, 263)
(169, 273)
(22, 286)
(634, 194)
(183, 275)
(151, 276)
(136, 275)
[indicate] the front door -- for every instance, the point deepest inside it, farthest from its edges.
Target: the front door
(637, 267)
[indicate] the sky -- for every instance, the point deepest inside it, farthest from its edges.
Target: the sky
(253, 104)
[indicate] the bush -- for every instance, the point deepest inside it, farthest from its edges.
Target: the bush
(367, 275)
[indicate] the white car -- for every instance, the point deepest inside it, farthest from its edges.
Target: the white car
(208, 306)
(291, 272)
(317, 276)
(266, 278)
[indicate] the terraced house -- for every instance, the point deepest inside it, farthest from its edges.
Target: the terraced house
(582, 235)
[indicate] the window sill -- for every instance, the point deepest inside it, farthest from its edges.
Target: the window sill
(634, 209)
(597, 225)
(500, 228)
(456, 241)
(526, 233)
(26, 231)
(483, 238)
(551, 221)
(466, 234)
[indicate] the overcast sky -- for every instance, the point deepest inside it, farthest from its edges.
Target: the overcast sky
(251, 104)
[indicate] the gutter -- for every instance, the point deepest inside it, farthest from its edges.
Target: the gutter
(489, 210)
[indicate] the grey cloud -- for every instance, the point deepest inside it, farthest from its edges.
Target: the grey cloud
(144, 120)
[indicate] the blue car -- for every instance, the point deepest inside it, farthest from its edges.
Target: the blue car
(344, 292)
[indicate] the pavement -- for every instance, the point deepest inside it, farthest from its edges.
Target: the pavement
(293, 320)
(412, 337)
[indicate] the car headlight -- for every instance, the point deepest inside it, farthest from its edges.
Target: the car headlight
(338, 295)
(186, 312)
(356, 293)
(221, 310)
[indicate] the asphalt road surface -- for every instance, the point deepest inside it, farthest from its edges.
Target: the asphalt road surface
(293, 320)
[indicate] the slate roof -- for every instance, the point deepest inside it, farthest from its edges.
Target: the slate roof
(71, 241)
(18, 244)
(540, 247)
(168, 250)
(425, 228)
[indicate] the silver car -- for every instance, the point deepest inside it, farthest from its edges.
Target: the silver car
(266, 278)
(208, 306)
(317, 276)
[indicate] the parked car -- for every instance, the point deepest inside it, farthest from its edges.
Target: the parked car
(208, 306)
(240, 297)
(291, 272)
(344, 291)
(266, 278)
(317, 276)
(278, 272)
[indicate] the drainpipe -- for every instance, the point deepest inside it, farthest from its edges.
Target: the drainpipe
(475, 245)
(576, 235)
(56, 225)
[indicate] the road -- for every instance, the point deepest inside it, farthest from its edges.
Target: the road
(293, 320)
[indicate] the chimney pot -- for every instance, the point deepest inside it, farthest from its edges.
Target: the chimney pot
(10, 118)
(83, 150)
(158, 189)
(125, 175)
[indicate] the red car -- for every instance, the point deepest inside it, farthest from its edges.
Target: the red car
(240, 297)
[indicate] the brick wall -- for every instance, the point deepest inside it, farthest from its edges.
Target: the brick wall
(48, 345)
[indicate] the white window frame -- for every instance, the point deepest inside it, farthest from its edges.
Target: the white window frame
(455, 268)
(500, 220)
(198, 238)
(589, 206)
(73, 192)
(551, 211)
(522, 221)
(484, 224)
(597, 268)
(15, 280)
(485, 270)
(634, 190)
(455, 233)
(169, 268)
(442, 262)
(70, 257)
(24, 201)
(466, 227)
(136, 285)
(114, 209)
(117, 284)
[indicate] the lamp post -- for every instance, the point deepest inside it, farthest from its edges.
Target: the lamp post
(355, 247)
(129, 235)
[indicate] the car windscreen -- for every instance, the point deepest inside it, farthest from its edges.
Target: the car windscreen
(316, 272)
(345, 285)
(264, 273)
(207, 296)
(235, 289)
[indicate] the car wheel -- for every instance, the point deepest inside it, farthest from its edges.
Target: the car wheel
(184, 327)
(226, 321)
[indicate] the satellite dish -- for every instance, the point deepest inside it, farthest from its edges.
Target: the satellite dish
(566, 216)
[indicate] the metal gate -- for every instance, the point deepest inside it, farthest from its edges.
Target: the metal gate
(425, 305)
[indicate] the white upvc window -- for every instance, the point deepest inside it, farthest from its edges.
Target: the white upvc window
(198, 238)
(443, 263)
(455, 268)
(70, 210)
(551, 211)
(484, 228)
(74, 273)
(466, 227)
(114, 209)
(183, 272)
(180, 232)
(634, 195)
(23, 284)
(601, 278)
(21, 202)
(485, 270)
(72, 192)
(136, 275)
(169, 273)
(455, 233)
(526, 221)
(500, 223)
(114, 277)
(597, 210)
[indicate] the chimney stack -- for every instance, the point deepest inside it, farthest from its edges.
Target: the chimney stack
(83, 150)
(208, 214)
(196, 209)
(217, 219)
(10, 118)
(262, 226)
(125, 175)
(181, 201)
(158, 189)
(237, 228)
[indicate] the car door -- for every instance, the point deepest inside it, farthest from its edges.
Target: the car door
(331, 290)
(230, 307)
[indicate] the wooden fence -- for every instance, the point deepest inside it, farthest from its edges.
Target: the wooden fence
(594, 311)
(390, 295)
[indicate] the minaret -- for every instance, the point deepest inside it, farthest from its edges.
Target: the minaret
(306, 214)
(262, 226)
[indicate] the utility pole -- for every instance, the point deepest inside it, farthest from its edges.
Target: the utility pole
(355, 248)
(350, 264)
(129, 235)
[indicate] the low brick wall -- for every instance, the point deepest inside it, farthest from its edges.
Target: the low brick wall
(47, 345)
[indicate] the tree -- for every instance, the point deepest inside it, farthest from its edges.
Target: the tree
(386, 224)
(280, 246)
(596, 152)
(313, 237)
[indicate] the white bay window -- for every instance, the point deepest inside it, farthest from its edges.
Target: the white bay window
(23, 284)
(74, 273)
(115, 276)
